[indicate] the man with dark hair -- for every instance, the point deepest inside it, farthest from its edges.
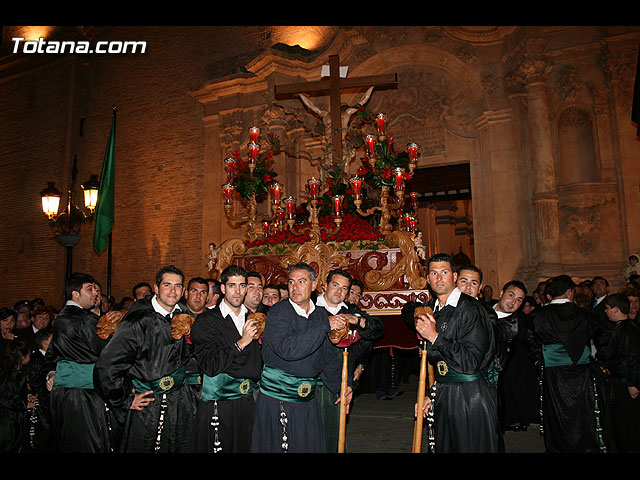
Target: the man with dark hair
(228, 355)
(140, 291)
(518, 399)
(355, 292)
(253, 298)
(284, 291)
(600, 287)
(79, 419)
(149, 351)
(270, 294)
(195, 296)
(622, 360)
(560, 338)
(214, 292)
(362, 326)
(297, 353)
(460, 345)
(469, 280)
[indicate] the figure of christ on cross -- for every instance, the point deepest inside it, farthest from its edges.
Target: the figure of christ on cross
(335, 123)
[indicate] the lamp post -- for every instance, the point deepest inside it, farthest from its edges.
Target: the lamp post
(66, 223)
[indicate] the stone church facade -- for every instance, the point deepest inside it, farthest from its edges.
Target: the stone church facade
(538, 117)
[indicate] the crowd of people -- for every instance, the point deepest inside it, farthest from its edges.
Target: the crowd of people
(176, 366)
(564, 357)
(237, 365)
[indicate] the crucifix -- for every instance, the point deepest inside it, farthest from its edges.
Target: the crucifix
(333, 86)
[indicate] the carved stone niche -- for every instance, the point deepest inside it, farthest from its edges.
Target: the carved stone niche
(576, 147)
(581, 211)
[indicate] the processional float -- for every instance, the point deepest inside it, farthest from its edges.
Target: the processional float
(366, 224)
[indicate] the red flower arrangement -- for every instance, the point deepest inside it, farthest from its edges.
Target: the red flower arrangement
(353, 228)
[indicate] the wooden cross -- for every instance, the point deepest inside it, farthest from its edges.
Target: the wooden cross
(333, 86)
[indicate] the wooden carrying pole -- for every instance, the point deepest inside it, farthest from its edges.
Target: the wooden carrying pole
(417, 428)
(343, 401)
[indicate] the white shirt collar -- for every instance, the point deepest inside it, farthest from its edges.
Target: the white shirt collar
(300, 311)
(75, 304)
(156, 306)
(598, 300)
(238, 320)
(452, 299)
(500, 314)
(322, 302)
(561, 300)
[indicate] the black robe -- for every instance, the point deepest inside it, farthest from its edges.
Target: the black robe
(518, 380)
(214, 337)
(569, 410)
(80, 422)
(622, 361)
(465, 413)
(299, 346)
(143, 349)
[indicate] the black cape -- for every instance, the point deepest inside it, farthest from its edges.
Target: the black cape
(80, 422)
(569, 410)
(465, 413)
(214, 337)
(142, 348)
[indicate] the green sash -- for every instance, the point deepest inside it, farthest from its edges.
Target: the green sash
(555, 355)
(73, 375)
(225, 387)
(166, 384)
(445, 374)
(284, 386)
(194, 379)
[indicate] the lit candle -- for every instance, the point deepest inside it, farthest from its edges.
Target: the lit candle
(273, 228)
(281, 211)
(399, 171)
(290, 203)
(337, 205)
(356, 184)
(265, 228)
(412, 150)
(254, 133)
(254, 148)
(406, 221)
(381, 119)
(314, 186)
(370, 142)
(414, 199)
(412, 224)
(228, 189)
(276, 188)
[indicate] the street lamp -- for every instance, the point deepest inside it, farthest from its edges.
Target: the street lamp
(67, 223)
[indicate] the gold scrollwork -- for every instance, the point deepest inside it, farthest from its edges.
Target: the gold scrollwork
(244, 387)
(166, 383)
(304, 389)
(442, 368)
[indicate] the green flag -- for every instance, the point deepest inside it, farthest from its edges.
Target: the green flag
(106, 199)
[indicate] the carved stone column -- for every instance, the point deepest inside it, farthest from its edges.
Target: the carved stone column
(530, 71)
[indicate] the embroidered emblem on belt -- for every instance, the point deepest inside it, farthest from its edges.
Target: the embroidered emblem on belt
(244, 387)
(166, 383)
(442, 368)
(304, 389)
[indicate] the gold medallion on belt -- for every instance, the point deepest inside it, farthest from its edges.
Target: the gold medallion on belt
(245, 386)
(304, 389)
(442, 368)
(166, 383)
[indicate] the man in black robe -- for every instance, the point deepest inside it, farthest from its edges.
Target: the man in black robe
(296, 351)
(518, 400)
(622, 360)
(195, 297)
(460, 345)
(143, 369)
(229, 357)
(560, 340)
(78, 414)
(361, 326)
